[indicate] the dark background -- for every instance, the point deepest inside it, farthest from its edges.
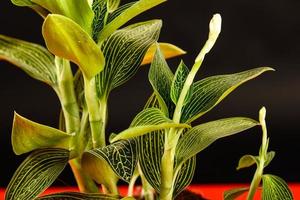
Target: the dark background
(255, 33)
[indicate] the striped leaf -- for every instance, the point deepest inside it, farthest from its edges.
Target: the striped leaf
(275, 188)
(148, 120)
(119, 11)
(100, 14)
(168, 50)
(124, 51)
(178, 82)
(207, 93)
(129, 13)
(78, 196)
(121, 156)
(36, 173)
(28, 135)
(79, 11)
(234, 193)
(201, 136)
(247, 161)
(161, 77)
(151, 149)
(34, 59)
(68, 40)
(113, 5)
(184, 176)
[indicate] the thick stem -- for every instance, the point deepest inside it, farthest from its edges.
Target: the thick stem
(97, 113)
(167, 165)
(70, 110)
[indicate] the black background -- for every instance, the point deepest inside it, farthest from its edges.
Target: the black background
(255, 33)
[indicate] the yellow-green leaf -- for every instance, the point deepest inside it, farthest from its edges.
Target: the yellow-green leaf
(247, 161)
(28, 135)
(78, 11)
(32, 58)
(36, 173)
(275, 188)
(149, 120)
(136, 9)
(168, 50)
(68, 40)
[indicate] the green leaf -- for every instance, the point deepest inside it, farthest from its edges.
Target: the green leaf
(151, 149)
(201, 136)
(101, 13)
(78, 196)
(234, 193)
(121, 156)
(127, 15)
(38, 171)
(99, 169)
(68, 40)
(168, 50)
(34, 59)
(113, 5)
(23, 2)
(124, 52)
(184, 176)
(269, 158)
(178, 82)
(161, 77)
(28, 135)
(207, 93)
(119, 11)
(147, 121)
(79, 11)
(247, 161)
(275, 188)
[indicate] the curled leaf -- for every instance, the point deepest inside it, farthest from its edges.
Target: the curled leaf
(168, 50)
(68, 40)
(28, 135)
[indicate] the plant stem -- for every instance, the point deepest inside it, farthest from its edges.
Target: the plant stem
(256, 180)
(148, 191)
(97, 113)
(167, 164)
(262, 156)
(70, 110)
(84, 182)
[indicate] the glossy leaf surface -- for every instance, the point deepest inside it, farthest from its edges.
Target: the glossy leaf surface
(161, 77)
(79, 11)
(207, 93)
(28, 135)
(178, 82)
(68, 40)
(129, 13)
(100, 14)
(121, 156)
(149, 120)
(37, 172)
(34, 59)
(124, 51)
(201, 136)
